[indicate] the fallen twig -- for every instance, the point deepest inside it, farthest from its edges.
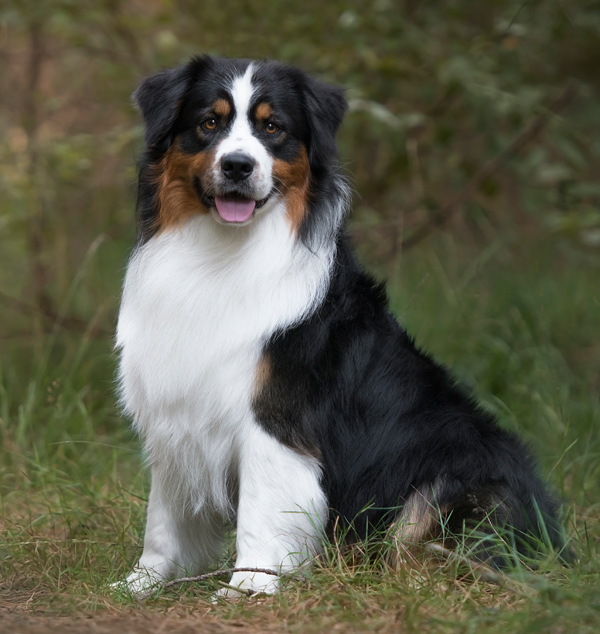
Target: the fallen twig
(218, 573)
(477, 569)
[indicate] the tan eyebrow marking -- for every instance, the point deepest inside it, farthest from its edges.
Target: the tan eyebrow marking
(222, 107)
(263, 111)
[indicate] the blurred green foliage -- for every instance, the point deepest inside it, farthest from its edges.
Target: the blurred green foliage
(436, 90)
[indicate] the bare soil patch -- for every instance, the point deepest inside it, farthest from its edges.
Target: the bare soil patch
(126, 623)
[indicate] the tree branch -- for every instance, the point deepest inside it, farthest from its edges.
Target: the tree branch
(37, 221)
(68, 321)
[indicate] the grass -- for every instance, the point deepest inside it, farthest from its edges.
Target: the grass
(517, 322)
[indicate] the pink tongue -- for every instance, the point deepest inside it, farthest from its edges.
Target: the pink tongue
(234, 209)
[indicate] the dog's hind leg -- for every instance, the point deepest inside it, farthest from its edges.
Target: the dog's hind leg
(493, 523)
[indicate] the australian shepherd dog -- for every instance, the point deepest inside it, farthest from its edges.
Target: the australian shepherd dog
(271, 385)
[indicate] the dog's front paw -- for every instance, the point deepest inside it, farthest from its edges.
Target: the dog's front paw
(140, 583)
(248, 583)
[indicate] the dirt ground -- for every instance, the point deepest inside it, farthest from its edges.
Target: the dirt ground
(126, 623)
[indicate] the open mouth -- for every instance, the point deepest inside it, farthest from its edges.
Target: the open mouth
(231, 207)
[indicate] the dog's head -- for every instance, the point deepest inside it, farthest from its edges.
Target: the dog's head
(233, 138)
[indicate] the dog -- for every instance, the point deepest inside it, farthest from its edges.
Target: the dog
(260, 364)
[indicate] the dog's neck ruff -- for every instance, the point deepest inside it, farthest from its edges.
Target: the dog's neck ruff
(206, 282)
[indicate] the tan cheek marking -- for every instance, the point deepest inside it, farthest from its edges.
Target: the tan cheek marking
(263, 111)
(222, 107)
(176, 196)
(293, 181)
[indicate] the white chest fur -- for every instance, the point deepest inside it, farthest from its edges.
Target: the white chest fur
(198, 304)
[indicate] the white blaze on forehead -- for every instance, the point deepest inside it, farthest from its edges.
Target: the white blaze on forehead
(240, 137)
(240, 134)
(242, 90)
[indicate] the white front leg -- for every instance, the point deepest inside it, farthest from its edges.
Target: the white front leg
(176, 543)
(282, 511)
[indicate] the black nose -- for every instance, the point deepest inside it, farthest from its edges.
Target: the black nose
(237, 167)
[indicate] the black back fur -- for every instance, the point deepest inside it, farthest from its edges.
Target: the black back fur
(350, 386)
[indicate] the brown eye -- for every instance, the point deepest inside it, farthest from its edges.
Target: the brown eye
(271, 128)
(209, 124)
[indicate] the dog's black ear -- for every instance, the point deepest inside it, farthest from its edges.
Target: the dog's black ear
(325, 107)
(159, 98)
